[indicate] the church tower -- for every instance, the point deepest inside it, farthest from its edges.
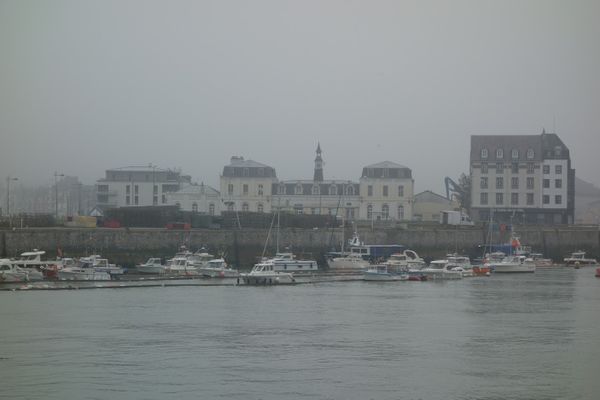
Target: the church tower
(318, 176)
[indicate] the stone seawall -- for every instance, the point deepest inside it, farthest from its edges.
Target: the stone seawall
(242, 247)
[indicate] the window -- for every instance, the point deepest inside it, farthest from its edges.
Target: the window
(546, 169)
(483, 199)
(155, 190)
(136, 199)
(530, 168)
(484, 182)
(164, 199)
(313, 211)
(136, 187)
(281, 189)
(401, 191)
(400, 212)
(195, 207)
(515, 168)
(154, 200)
(558, 169)
(127, 200)
(246, 172)
(529, 199)
(298, 189)
(558, 183)
(370, 190)
(558, 199)
(333, 190)
(499, 168)
(245, 189)
(230, 189)
(385, 211)
(557, 151)
(484, 168)
(260, 208)
(546, 183)
(530, 183)
(546, 199)
(514, 198)
(245, 207)
(102, 188)
(260, 190)
(315, 189)
(514, 183)
(369, 211)
(261, 172)
(127, 189)
(499, 183)
(484, 153)
(211, 209)
(385, 190)
(350, 190)
(514, 154)
(499, 198)
(178, 205)
(530, 154)
(499, 154)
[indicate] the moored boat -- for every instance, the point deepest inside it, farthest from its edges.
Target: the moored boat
(513, 263)
(382, 273)
(439, 269)
(152, 266)
(218, 268)
(10, 272)
(264, 273)
(578, 259)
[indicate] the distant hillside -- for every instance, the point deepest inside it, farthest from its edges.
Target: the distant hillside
(587, 202)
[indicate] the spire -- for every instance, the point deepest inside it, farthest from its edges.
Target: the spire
(318, 176)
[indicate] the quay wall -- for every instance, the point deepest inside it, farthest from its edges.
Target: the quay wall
(241, 247)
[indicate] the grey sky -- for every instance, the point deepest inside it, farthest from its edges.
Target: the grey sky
(91, 85)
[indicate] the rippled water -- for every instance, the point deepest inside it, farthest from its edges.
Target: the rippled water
(503, 337)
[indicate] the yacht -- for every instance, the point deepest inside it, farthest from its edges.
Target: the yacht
(441, 269)
(350, 261)
(10, 272)
(512, 263)
(152, 266)
(32, 262)
(287, 262)
(578, 259)
(180, 265)
(460, 263)
(218, 268)
(540, 261)
(83, 270)
(264, 273)
(383, 273)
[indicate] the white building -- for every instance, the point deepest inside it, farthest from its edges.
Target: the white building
(386, 191)
(138, 186)
(246, 186)
(201, 199)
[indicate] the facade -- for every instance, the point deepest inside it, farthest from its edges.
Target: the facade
(524, 177)
(201, 199)
(384, 191)
(138, 186)
(428, 205)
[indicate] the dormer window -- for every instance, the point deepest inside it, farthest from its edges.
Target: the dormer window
(530, 154)
(514, 154)
(333, 190)
(315, 189)
(557, 151)
(298, 188)
(281, 189)
(484, 153)
(499, 154)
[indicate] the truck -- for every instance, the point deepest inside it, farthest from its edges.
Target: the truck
(455, 218)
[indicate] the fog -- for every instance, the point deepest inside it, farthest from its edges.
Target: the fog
(90, 85)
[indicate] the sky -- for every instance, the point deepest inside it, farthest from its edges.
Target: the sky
(87, 86)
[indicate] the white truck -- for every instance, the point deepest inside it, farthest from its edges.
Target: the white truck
(455, 218)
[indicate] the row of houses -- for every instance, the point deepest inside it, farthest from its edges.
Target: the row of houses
(528, 177)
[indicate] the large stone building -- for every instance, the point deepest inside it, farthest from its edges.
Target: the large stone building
(384, 191)
(138, 186)
(524, 178)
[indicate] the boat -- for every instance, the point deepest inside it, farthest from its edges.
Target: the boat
(578, 259)
(102, 265)
(10, 272)
(264, 273)
(32, 262)
(218, 268)
(597, 272)
(440, 269)
(287, 262)
(383, 273)
(540, 261)
(152, 266)
(513, 263)
(460, 263)
(373, 252)
(347, 262)
(82, 270)
(180, 265)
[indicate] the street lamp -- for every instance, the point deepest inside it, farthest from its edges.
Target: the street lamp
(8, 179)
(56, 175)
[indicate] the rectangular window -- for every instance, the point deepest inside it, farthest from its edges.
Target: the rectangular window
(546, 199)
(245, 188)
(164, 199)
(515, 168)
(499, 183)
(558, 183)
(499, 199)
(155, 200)
(155, 190)
(514, 198)
(530, 183)
(514, 183)
(499, 168)
(558, 169)
(529, 199)
(369, 190)
(127, 200)
(102, 188)
(260, 190)
(546, 183)
(230, 189)
(385, 190)
(137, 200)
(484, 168)
(127, 189)
(484, 182)
(136, 187)
(530, 168)
(558, 199)
(546, 169)
(400, 191)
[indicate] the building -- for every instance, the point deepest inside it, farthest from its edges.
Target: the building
(138, 186)
(524, 178)
(428, 205)
(384, 191)
(201, 199)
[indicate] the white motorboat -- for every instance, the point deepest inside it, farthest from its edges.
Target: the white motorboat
(102, 265)
(578, 258)
(382, 273)
(31, 261)
(152, 266)
(512, 263)
(287, 262)
(218, 268)
(460, 263)
(264, 273)
(540, 261)
(180, 265)
(200, 258)
(350, 262)
(405, 261)
(10, 272)
(440, 269)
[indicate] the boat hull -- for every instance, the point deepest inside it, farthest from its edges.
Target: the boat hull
(384, 277)
(512, 268)
(267, 279)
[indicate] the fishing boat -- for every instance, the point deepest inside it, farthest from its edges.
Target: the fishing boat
(264, 273)
(578, 259)
(218, 268)
(441, 269)
(152, 266)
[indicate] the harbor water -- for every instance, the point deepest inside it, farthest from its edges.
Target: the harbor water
(513, 336)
